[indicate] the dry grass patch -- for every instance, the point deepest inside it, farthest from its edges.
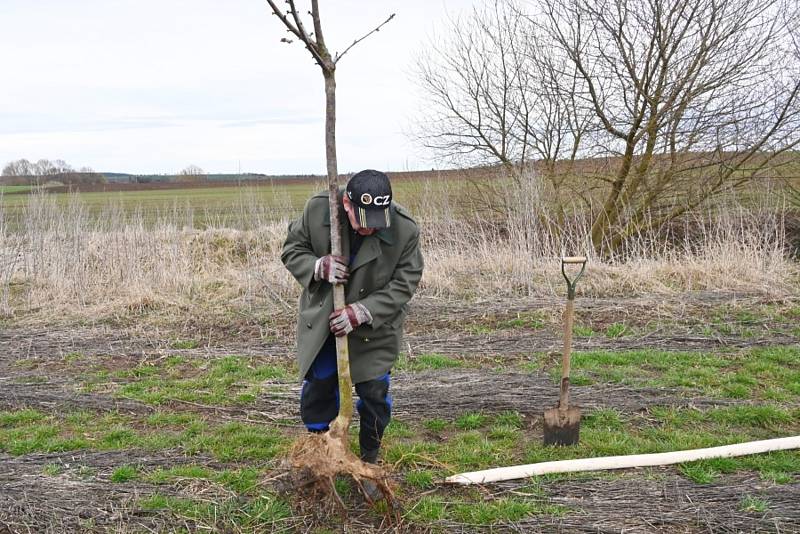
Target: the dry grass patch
(64, 264)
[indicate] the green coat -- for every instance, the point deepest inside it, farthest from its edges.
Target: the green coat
(383, 277)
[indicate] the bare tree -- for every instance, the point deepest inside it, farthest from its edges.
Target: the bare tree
(18, 168)
(475, 79)
(192, 173)
(688, 98)
(38, 172)
(495, 96)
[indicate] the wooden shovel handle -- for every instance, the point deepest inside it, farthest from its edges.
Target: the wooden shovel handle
(563, 401)
(573, 259)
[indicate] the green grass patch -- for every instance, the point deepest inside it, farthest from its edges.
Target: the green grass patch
(609, 433)
(420, 479)
(699, 472)
(14, 188)
(27, 431)
(166, 475)
(72, 357)
(161, 419)
(425, 362)
(776, 477)
(764, 416)
(470, 421)
(753, 505)
(476, 441)
(231, 206)
(239, 442)
(616, 330)
(477, 450)
(399, 429)
(256, 514)
(771, 373)
(436, 425)
(481, 513)
(509, 418)
(243, 481)
(579, 330)
(524, 320)
(230, 380)
(124, 473)
(20, 417)
(53, 470)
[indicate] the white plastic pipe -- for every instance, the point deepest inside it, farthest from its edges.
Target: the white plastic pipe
(624, 462)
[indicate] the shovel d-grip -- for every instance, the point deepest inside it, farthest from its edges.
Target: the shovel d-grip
(571, 283)
(562, 424)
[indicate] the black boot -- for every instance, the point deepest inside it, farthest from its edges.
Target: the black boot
(370, 457)
(371, 489)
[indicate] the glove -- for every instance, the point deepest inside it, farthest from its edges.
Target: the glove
(343, 321)
(332, 269)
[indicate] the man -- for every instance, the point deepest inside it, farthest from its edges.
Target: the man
(381, 265)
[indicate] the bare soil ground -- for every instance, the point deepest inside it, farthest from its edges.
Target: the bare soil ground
(38, 370)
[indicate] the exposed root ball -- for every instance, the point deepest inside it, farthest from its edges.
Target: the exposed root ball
(318, 458)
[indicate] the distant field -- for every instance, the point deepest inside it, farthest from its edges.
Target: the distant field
(14, 188)
(208, 204)
(223, 204)
(216, 204)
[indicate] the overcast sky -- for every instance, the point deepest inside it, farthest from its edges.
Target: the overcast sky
(151, 86)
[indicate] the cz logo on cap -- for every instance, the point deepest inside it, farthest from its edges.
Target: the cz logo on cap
(367, 199)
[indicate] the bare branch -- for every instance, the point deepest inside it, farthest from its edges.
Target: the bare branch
(296, 29)
(377, 29)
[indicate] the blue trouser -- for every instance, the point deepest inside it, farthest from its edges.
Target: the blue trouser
(319, 401)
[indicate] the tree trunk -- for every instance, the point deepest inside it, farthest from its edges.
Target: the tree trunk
(340, 426)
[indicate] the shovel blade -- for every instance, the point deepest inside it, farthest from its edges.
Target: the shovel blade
(562, 427)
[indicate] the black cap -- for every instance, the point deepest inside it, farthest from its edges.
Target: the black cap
(370, 193)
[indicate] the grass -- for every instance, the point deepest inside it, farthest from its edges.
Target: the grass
(770, 373)
(14, 188)
(124, 473)
(474, 441)
(52, 470)
(28, 431)
(185, 344)
(421, 480)
(231, 380)
(753, 505)
(255, 514)
(423, 452)
(616, 330)
(502, 510)
(206, 206)
(470, 421)
(526, 320)
(582, 331)
(425, 362)
(244, 480)
(213, 205)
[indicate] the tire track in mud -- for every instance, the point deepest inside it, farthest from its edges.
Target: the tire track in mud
(53, 386)
(516, 343)
(417, 395)
(443, 394)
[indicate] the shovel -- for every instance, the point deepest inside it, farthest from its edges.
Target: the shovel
(562, 424)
